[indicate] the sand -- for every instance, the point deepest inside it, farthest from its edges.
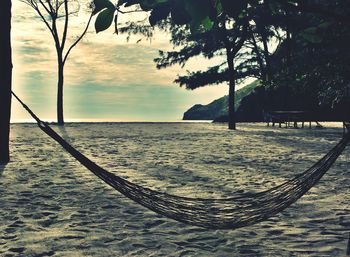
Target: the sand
(52, 206)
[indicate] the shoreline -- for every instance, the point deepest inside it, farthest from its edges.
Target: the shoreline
(118, 122)
(326, 123)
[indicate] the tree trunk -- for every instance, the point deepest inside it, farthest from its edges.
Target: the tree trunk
(289, 41)
(260, 61)
(231, 105)
(232, 87)
(5, 79)
(60, 120)
(266, 55)
(230, 56)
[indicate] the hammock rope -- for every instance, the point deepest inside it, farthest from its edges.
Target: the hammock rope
(229, 213)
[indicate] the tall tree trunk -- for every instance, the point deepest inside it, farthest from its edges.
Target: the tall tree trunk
(289, 41)
(5, 79)
(266, 55)
(230, 56)
(260, 61)
(232, 88)
(60, 119)
(231, 105)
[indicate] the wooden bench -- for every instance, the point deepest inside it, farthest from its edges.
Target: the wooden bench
(286, 117)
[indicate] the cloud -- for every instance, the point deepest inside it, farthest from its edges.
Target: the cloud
(105, 76)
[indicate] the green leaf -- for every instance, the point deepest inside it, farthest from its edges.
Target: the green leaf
(101, 4)
(219, 8)
(207, 23)
(104, 20)
(311, 30)
(312, 35)
(324, 25)
(200, 12)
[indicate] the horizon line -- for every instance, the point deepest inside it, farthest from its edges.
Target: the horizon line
(52, 121)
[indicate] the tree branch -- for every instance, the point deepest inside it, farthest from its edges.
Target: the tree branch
(45, 7)
(50, 6)
(65, 30)
(78, 40)
(36, 8)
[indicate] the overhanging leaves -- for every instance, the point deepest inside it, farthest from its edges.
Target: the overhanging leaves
(102, 4)
(104, 20)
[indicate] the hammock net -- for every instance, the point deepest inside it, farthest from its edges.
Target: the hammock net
(228, 213)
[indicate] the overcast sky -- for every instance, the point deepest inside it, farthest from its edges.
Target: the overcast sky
(106, 77)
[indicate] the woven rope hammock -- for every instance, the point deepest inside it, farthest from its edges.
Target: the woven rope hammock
(230, 213)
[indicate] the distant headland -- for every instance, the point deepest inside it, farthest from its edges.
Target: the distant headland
(254, 100)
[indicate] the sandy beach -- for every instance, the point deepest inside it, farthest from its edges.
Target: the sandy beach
(52, 206)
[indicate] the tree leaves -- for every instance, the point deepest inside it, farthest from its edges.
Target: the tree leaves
(178, 14)
(159, 13)
(207, 23)
(234, 7)
(105, 10)
(104, 20)
(311, 35)
(315, 34)
(102, 4)
(199, 14)
(199, 11)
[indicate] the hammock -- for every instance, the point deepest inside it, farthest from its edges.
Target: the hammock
(229, 213)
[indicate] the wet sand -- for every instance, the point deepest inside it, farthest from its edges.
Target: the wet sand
(52, 206)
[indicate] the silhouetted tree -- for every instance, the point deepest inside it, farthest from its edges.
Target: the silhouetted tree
(221, 40)
(317, 61)
(282, 68)
(5, 79)
(50, 12)
(223, 22)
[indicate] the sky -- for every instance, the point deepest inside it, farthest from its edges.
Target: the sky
(107, 78)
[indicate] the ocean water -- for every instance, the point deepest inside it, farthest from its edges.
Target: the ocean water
(52, 206)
